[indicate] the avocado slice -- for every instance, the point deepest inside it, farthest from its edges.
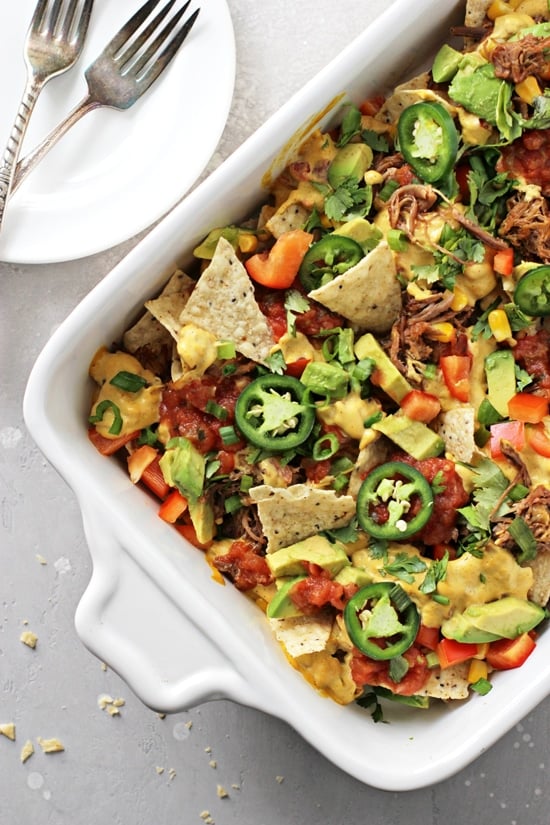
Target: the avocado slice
(506, 618)
(288, 561)
(366, 234)
(388, 376)
(446, 63)
(351, 161)
(281, 605)
(353, 575)
(500, 371)
(412, 436)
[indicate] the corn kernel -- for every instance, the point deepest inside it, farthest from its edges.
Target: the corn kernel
(499, 325)
(482, 650)
(528, 89)
(497, 9)
(460, 300)
(444, 332)
(248, 242)
(477, 670)
(373, 177)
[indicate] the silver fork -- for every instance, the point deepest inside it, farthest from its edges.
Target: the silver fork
(124, 70)
(53, 44)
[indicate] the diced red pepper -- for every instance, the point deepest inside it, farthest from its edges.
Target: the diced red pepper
(109, 446)
(456, 372)
(173, 507)
(153, 478)
(278, 268)
(188, 532)
(450, 652)
(296, 368)
(421, 406)
(427, 637)
(538, 440)
(511, 431)
(505, 654)
(503, 262)
(524, 406)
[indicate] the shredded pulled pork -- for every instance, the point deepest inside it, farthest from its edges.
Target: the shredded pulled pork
(527, 227)
(518, 59)
(410, 345)
(407, 203)
(534, 509)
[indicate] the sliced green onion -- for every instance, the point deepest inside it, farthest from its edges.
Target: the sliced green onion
(216, 410)
(400, 598)
(226, 350)
(99, 414)
(212, 468)
(325, 447)
(229, 436)
(232, 504)
(482, 686)
(388, 189)
(373, 419)
(246, 483)
(229, 369)
(432, 659)
(128, 381)
(437, 597)
(397, 240)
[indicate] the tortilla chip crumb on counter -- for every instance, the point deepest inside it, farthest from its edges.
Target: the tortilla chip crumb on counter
(29, 638)
(7, 729)
(26, 751)
(50, 745)
(224, 304)
(294, 513)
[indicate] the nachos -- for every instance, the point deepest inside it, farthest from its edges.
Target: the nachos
(344, 403)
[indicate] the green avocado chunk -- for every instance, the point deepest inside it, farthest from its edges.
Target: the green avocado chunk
(351, 161)
(353, 575)
(388, 376)
(500, 372)
(288, 561)
(281, 605)
(412, 436)
(446, 63)
(506, 618)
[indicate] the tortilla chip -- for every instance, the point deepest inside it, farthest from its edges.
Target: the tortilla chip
(476, 12)
(290, 514)
(449, 683)
(168, 307)
(368, 294)
(293, 216)
(302, 634)
(540, 589)
(370, 456)
(223, 303)
(456, 427)
(403, 96)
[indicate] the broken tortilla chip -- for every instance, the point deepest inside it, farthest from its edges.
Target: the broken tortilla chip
(457, 428)
(168, 307)
(302, 634)
(290, 514)
(368, 294)
(224, 304)
(448, 683)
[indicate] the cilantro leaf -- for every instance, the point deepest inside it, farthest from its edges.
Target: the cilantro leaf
(403, 566)
(349, 200)
(351, 125)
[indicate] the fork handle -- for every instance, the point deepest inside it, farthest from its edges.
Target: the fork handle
(15, 140)
(33, 158)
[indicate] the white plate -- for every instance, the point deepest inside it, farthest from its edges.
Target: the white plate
(115, 173)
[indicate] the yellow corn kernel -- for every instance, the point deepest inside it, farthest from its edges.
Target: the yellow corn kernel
(477, 670)
(444, 332)
(497, 9)
(460, 300)
(499, 325)
(482, 650)
(373, 177)
(528, 89)
(248, 242)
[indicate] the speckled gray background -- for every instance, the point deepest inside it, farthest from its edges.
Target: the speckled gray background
(136, 768)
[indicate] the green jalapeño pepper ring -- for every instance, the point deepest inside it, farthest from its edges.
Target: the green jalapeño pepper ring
(270, 413)
(328, 258)
(381, 611)
(428, 140)
(532, 294)
(389, 494)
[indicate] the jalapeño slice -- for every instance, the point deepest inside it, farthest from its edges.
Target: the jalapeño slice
(271, 413)
(381, 620)
(532, 294)
(328, 258)
(428, 140)
(394, 502)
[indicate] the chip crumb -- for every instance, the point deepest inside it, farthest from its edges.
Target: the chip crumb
(27, 751)
(161, 715)
(29, 638)
(50, 745)
(236, 786)
(112, 706)
(103, 667)
(8, 730)
(205, 815)
(41, 559)
(159, 769)
(221, 791)
(189, 724)
(112, 710)
(208, 749)
(172, 773)
(280, 779)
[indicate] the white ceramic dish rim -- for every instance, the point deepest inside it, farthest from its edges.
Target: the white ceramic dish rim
(152, 610)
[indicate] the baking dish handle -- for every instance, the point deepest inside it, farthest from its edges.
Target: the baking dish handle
(124, 618)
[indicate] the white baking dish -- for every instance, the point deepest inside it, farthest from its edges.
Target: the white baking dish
(152, 609)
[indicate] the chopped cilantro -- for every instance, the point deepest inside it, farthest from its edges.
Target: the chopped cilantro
(351, 125)
(349, 200)
(524, 538)
(437, 572)
(403, 566)
(370, 700)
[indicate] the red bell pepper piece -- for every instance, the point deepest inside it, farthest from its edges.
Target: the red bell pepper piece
(421, 406)
(538, 440)
(511, 431)
(173, 507)
(505, 654)
(153, 478)
(503, 262)
(278, 268)
(456, 372)
(450, 652)
(524, 406)
(109, 446)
